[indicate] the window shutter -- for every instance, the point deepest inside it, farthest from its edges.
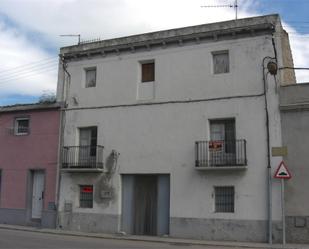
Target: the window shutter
(221, 62)
(148, 72)
(91, 77)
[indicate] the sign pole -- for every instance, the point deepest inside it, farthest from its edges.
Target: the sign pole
(282, 173)
(283, 212)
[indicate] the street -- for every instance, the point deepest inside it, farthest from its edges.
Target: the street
(14, 239)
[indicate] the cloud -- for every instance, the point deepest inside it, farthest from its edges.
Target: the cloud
(39, 24)
(18, 74)
(111, 18)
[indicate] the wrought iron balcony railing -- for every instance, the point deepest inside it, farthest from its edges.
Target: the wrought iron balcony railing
(82, 157)
(220, 153)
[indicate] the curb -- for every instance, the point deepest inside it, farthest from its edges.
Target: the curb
(166, 240)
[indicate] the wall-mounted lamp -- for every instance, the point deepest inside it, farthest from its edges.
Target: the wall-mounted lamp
(272, 67)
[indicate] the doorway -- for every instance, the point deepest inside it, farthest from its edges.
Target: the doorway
(145, 204)
(222, 145)
(37, 194)
(87, 147)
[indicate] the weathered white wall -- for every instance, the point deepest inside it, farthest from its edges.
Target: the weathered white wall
(160, 138)
(182, 72)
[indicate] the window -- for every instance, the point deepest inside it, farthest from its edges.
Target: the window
(91, 75)
(224, 199)
(87, 153)
(88, 140)
(223, 130)
(86, 196)
(21, 126)
(148, 71)
(221, 62)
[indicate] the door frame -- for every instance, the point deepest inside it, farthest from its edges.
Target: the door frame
(127, 212)
(29, 192)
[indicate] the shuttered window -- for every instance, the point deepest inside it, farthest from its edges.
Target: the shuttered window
(91, 75)
(221, 62)
(148, 71)
(224, 199)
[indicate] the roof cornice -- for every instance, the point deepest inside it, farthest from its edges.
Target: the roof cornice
(29, 107)
(201, 33)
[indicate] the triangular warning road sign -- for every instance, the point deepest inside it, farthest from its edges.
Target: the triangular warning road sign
(282, 171)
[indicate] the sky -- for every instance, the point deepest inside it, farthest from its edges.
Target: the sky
(30, 32)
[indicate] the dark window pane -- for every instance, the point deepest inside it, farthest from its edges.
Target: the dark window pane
(22, 126)
(93, 141)
(148, 72)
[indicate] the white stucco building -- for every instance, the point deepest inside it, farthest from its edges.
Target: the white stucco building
(181, 116)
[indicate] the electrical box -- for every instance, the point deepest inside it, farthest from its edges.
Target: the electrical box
(68, 207)
(106, 194)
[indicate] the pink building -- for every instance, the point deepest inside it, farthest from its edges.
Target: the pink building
(29, 138)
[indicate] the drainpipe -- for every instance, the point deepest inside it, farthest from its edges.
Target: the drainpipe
(269, 187)
(61, 129)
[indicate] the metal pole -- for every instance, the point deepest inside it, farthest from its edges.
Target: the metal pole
(236, 7)
(270, 219)
(283, 212)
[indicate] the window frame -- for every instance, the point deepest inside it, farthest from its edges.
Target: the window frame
(16, 126)
(224, 205)
(86, 70)
(220, 52)
(147, 62)
(93, 139)
(85, 200)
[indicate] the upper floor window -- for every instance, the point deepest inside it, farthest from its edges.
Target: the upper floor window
(221, 62)
(91, 77)
(222, 144)
(21, 126)
(88, 142)
(223, 130)
(148, 71)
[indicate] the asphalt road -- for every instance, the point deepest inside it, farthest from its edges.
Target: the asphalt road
(13, 239)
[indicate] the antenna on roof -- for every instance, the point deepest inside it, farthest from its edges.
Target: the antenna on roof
(235, 6)
(77, 35)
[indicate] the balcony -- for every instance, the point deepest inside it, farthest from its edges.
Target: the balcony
(221, 155)
(82, 159)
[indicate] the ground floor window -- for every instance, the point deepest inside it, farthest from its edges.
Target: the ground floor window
(86, 196)
(224, 199)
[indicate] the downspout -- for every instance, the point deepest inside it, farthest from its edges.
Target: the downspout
(62, 125)
(269, 176)
(269, 187)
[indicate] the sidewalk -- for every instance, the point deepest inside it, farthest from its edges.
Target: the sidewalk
(156, 239)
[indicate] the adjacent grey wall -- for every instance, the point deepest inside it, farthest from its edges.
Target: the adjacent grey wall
(294, 104)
